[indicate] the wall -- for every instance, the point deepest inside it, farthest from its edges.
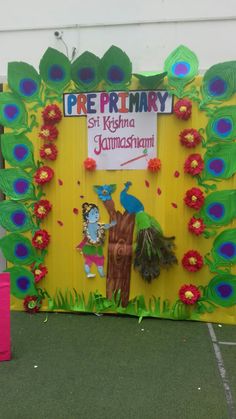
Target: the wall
(147, 31)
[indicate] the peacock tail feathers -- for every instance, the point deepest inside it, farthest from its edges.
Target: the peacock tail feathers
(152, 249)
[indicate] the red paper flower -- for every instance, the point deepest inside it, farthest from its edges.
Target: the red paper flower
(48, 152)
(194, 164)
(39, 273)
(154, 165)
(190, 138)
(189, 294)
(90, 164)
(42, 208)
(183, 109)
(196, 226)
(43, 175)
(48, 133)
(51, 114)
(41, 239)
(192, 261)
(32, 304)
(194, 198)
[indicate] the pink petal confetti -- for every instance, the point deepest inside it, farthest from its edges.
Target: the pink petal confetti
(158, 191)
(176, 174)
(60, 182)
(82, 196)
(75, 211)
(147, 183)
(60, 223)
(174, 205)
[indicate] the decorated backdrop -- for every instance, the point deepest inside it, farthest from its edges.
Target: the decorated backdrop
(120, 190)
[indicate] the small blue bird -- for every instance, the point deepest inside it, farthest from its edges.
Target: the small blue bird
(129, 202)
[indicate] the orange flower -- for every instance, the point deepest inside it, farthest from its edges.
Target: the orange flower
(90, 164)
(154, 165)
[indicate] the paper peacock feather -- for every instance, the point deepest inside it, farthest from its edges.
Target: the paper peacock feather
(219, 81)
(219, 162)
(152, 249)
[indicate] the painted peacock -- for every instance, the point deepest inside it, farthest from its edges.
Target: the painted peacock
(152, 249)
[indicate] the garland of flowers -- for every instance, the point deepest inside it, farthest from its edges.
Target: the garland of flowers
(51, 115)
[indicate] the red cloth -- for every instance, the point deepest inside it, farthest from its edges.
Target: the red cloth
(5, 338)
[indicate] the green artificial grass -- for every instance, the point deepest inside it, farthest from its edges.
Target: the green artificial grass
(82, 366)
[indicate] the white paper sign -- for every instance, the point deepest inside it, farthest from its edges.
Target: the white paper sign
(122, 141)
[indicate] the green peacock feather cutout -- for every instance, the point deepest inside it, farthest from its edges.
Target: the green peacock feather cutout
(219, 82)
(16, 184)
(222, 125)
(17, 249)
(219, 208)
(17, 150)
(116, 69)
(14, 217)
(22, 282)
(13, 113)
(221, 290)
(55, 70)
(219, 162)
(85, 71)
(24, 80)
(182, 67)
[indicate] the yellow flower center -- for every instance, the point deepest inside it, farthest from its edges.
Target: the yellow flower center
(41, 210)
(183, 108)
(43, 175)
(51, 114)
(190, 138)
(37, 272)
(39, 239)
(48, 151)
(197, 224)
(45, 132)
(189, 295)
(192, 261)
(194, 164)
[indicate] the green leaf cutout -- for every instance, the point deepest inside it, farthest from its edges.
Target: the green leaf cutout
(181, 66)
(16, 184)
(12, 112)
(222, 125)
(116, 68)
(85, 71)
(55, 70)
(17, 249)
(17, 150)
(24, 80)
(150, 81)
(219, 81)
(22, 282)
(14, 217)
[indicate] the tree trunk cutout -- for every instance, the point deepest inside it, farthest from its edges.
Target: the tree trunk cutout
(120, 248)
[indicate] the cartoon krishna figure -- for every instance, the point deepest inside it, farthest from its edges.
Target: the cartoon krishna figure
(94, 237)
